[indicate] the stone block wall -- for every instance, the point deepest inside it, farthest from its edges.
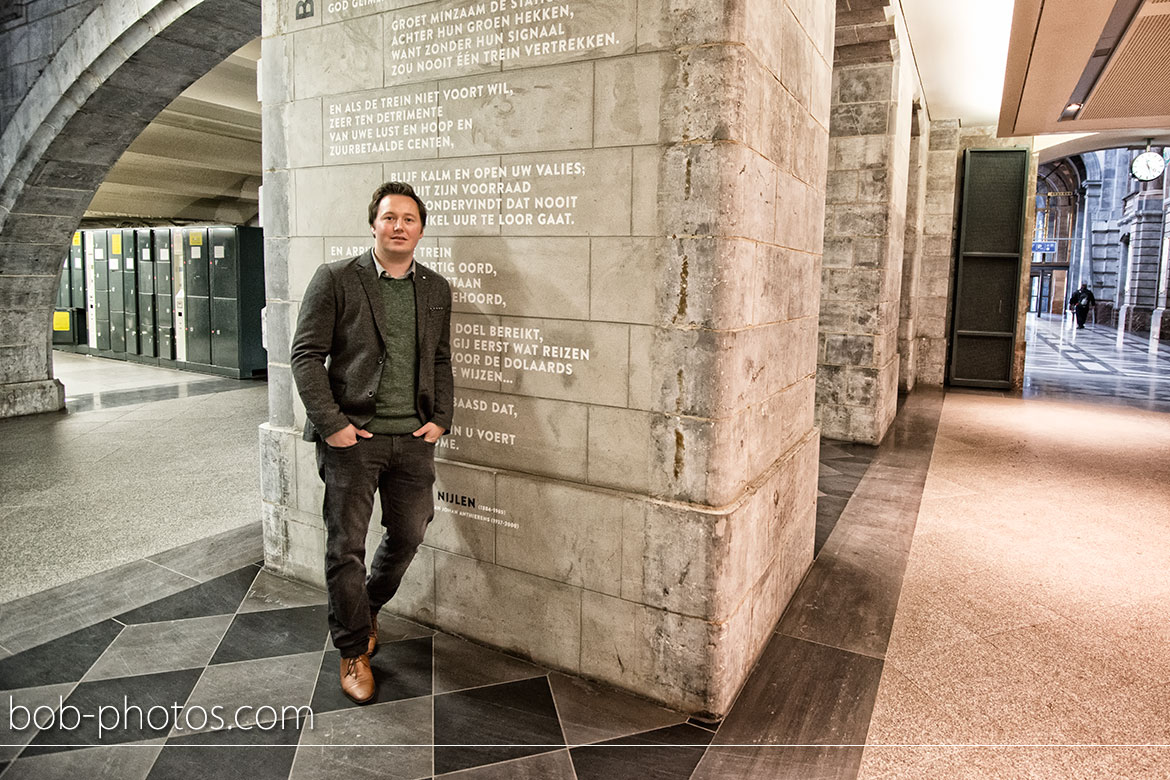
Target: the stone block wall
(1141, 229)
(865, 212)
(1159, 322)
(29, 37)
(912, 251)
(625, 196)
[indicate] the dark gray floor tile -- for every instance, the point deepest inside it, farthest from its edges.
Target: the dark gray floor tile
(711, 726)
(125, 709)
(853, 467)
(842, 486)
(402, 670)
(389, 741)
(220, 596)
(829, 509)
(18, 728)
(33, 620)
(461, 664)
(592, 713)
(217, 555)
(849, 596)
(664, 754)
(546, 766)
(118, 762)
(161, 647)
(63, 660)
(392, 628)
(272, 633)
(495, 723)
(254, 753)
(269, 591)
(802, 693)
(270, 682)
(263, 732)
(777, 763)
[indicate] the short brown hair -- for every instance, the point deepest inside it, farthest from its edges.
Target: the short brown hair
(396, 188)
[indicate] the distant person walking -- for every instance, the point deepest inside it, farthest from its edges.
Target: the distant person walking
(1081, 300)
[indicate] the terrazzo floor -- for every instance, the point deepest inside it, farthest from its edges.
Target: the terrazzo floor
(1032, 636)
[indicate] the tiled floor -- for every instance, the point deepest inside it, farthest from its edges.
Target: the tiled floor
(972, 601)
(167, 458)
(1096, 365)
(843, 464)
(251, 649)
(202, 626)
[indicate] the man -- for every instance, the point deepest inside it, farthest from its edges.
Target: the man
(1081, 300)
(372, 362)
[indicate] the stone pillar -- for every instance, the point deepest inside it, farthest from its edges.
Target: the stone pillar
(938, 243)
(1143, 224)
(1159, 321)
(626, 197)
(912, 251)
(1107, 260)
(857, 373)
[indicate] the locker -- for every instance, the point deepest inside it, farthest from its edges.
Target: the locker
(118, 331)
(101, 287)
(225, 332)
(163, 295)
(114, 270)
(237, 286)
(77, 278)
(147, 333)
(64, 285)
(196, 265)
(197, 312)
(178, 294)
(130, 289)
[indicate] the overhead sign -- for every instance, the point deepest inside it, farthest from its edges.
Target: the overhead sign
(1043, 246)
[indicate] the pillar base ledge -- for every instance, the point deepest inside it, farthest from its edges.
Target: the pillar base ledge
(20, 398)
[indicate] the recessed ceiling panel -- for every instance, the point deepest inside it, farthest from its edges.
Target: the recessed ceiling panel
(1136, 82)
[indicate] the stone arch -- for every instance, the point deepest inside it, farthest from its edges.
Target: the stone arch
(109, 77)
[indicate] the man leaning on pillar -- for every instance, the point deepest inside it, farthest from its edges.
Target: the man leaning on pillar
(372, 362)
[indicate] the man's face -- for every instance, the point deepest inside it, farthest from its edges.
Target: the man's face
(398, 227)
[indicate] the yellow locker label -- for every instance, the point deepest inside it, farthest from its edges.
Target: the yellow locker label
(61, 320)
(77, 239)
(116, 244)
(196, 239)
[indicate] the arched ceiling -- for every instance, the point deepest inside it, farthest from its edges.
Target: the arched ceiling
(199, 160)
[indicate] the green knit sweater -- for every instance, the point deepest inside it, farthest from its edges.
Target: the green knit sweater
(397, 388)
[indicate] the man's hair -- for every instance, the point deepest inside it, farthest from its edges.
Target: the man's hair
(396, 188)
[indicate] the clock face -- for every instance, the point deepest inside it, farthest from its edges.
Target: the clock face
(1147, 166)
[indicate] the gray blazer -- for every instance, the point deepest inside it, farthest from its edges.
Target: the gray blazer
(339, 346)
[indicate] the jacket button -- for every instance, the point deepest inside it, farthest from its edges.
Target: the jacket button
(370, 394)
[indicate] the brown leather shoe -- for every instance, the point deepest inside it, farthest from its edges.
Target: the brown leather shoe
(357, 679)
(372, 647)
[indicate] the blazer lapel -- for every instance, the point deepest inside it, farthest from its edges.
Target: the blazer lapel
(372, 286)
(422, 299)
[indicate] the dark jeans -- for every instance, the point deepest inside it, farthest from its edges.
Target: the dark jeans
(402, 469)
(1082, 315)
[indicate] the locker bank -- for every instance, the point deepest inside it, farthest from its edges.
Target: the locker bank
(179, 297)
